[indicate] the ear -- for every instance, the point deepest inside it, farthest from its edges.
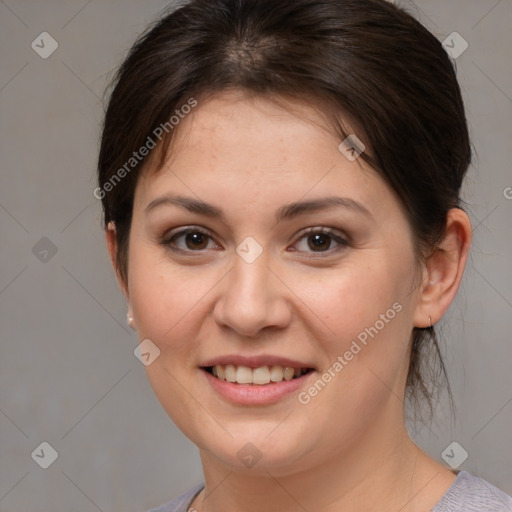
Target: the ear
(444, 269)
(110, 235)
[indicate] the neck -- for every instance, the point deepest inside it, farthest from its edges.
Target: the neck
(383, 470)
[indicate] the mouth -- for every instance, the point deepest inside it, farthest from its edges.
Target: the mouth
(259, 376)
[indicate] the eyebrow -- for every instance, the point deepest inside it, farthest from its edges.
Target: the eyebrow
(286, 212)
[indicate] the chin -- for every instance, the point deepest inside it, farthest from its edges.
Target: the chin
(252, 449)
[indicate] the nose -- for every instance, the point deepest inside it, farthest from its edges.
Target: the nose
(252, 298)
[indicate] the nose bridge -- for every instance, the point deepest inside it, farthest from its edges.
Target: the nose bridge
(251, 298)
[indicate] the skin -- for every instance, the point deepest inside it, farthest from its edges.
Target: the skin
(348, 448)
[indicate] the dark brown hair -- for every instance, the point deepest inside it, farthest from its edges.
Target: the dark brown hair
(366, 61)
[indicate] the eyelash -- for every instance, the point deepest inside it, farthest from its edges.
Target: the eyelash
(168, 240)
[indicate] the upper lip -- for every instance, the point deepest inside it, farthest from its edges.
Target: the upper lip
(255, 361)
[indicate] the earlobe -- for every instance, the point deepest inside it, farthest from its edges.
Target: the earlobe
(129, 318)
(444, 269)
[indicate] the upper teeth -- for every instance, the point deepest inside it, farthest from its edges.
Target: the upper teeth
(260, 375)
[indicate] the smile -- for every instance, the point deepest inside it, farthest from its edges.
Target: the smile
(260, 376)
(256, 385)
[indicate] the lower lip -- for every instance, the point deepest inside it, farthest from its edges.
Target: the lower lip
(255, 394)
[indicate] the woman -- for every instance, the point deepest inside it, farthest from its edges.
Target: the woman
(280, 183)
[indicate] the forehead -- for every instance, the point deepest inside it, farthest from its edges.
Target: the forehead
(232, 143)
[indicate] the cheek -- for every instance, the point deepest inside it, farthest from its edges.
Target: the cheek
(165, 297)
(361, 294)
(365, 361)
(169, 307)
(367, 307)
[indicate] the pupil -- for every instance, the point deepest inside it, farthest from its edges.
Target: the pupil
(317, 241)
(195, 239)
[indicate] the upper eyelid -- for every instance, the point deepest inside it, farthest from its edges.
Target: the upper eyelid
(332, 232)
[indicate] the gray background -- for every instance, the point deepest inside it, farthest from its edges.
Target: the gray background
(68, 375)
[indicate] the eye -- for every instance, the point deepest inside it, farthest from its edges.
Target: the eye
(320, 240)
(194, 240)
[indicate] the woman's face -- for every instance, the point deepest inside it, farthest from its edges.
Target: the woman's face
(255, 289)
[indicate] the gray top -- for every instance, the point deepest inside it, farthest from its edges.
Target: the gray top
(468, 493)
